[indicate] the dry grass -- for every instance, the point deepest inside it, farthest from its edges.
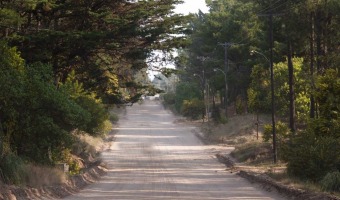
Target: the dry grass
(253, 154)
(240, 129)
(242, 133)
(96, 142)
(285, 179)
(40, 175)
(87, 145)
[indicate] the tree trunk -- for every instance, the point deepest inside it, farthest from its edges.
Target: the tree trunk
(291, 89)
(2, 135)
(318, 33)
(312, 37)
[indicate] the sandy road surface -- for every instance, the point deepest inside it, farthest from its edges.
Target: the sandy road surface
(156, 159)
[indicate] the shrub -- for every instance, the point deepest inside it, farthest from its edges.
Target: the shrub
(282, 132)
(169, 99)
(193, 108)
(311, 157)
(282, 136)
(331, 182)
(186, 91)
(71, 161)
(114, 117)
(239, 105)
(251, 151)
(12, 170)
(96, 123)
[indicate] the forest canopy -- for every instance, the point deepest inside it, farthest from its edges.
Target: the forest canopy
(63, 62)
(271, 57)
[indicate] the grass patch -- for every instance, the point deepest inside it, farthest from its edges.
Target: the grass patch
(331, 182)
(239, 129)
(13, 170)
(87, 147)
(41, 175)
(256, 152)
(284, 178)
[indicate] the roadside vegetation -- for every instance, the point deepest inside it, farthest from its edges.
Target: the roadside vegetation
(65, 64)
(229, 61)
(65, 68)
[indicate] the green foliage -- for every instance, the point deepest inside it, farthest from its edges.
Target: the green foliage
(97, 112)
(9, 17)
(239, 104)
(185, 91)
(311, 157)
(227, 22)
(331, 182)
(282, 136)
(12, 94)
(114, 118)
(169, 98)
(12, 169)
(98, 115)
(223, 119)
(47, 110)
(258, 100)
(105, 45)
(282, 132)
(66, 157)
(259, 97)
(328, 96)
(193, 108)
(36, 116)
(251, 151)
(314, 152)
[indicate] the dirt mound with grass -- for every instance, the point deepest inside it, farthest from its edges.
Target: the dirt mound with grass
(51, 183)
(252, 157)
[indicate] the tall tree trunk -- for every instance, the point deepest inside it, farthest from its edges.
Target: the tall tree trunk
(2, 136)
(291, 89)
(318, 33)
(312, 37)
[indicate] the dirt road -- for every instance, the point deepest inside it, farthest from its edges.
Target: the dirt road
(156, 159)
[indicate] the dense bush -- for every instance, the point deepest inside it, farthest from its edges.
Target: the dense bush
(97, 113)
(314, 152)
(114, 118)
(36, 116)
(186, 91)
(169, 99)
(312, 157)
(193, 108)
(259, 98)
(282, 132)
(47, 115)
(240, 105)
(12, 169)
(331, 182)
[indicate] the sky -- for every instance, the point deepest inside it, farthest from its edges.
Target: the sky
(191, 6)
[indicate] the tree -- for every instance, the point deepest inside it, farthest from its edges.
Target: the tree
(105, 42)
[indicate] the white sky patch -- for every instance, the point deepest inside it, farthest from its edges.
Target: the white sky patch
(191, 6)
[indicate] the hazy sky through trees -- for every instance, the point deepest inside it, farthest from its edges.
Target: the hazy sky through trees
(192, 6)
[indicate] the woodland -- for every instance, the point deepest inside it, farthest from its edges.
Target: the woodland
(232, 53)
(64, 63)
